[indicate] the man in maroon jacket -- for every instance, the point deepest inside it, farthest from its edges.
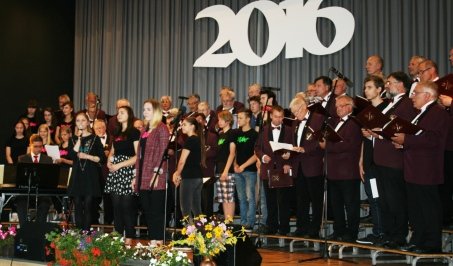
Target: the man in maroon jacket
(389, 166)
(307, 166)
(343, 172)
(277, 199)
(423, 169)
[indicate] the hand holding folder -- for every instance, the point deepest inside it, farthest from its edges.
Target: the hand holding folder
(399, 125)
(445, 85)
(328, 134)
(371, 118)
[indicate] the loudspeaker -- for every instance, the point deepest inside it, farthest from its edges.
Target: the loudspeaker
(243, 254)
(30, 241)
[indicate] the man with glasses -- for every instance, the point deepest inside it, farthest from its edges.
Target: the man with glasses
(389, 165)
(427, 71)
(308, 168)
(423, 169)
(35, 156)
(343, 172)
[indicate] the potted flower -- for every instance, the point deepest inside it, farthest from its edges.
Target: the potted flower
(166, 255)
(208, 237)
(7, 241)
(74, 247)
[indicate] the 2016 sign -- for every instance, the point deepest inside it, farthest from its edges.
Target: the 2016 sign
(296, 28)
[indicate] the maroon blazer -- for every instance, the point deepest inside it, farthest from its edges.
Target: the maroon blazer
(449, 145)
(384, 152)
(211, 153)
(262, 147)
(424, 154)
(311, 161)
(330, 106)
(212, 123)
(343, 157)
(236, 105)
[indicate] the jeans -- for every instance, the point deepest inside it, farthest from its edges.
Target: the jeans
(374, 202)
(263, 204)
(245, 187)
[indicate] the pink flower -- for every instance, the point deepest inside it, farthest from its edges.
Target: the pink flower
(145, 135)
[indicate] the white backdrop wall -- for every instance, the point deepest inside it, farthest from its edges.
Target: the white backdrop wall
(146, 48)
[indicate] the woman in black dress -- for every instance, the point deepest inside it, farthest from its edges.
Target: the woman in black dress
(87, 153)
(67, 121)
(17, 143)
(121, 165)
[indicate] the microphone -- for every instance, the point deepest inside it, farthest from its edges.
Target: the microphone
(341, 76)
(98, 101)
(183, 97)
(181, 112)
(81, 130)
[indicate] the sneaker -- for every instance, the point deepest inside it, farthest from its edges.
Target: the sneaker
(370, 239)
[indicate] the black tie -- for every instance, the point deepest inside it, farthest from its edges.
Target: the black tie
(277, 128)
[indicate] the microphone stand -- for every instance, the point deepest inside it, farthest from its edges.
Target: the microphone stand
(324, 252)
(165, 157)
(30, 173)
(258, 242)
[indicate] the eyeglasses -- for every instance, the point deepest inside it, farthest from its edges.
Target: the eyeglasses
(343, 105)
(423, 71)
(417, 92)
(298, 110)
(388, 82)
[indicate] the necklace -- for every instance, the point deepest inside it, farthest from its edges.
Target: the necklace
(82, 165)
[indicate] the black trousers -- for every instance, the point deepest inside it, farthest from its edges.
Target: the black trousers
(446, 189)
(345, 195)
(83, 211)
(153, 204)
(42, 210)
(309, 190)
(393, 202)
(425, 215)
(277, 200)
(207, 198)
(125, 214)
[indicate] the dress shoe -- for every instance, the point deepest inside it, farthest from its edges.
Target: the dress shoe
(408, 247)
(426, 250)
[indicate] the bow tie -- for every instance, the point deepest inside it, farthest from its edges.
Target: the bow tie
(342, 120)
(277, 128)
(103, 137)
(305, 119)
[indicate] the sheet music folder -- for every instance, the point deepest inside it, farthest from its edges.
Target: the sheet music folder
(43, 176)
(371, 118)
(399, 125)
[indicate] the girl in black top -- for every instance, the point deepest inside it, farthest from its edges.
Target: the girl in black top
(87, 153)
(18, 143)
(121, 164)
(68, 119)
(188, 172)
(65, 136)
(51, 121)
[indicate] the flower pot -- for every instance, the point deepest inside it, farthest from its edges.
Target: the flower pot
(208, 261)
(7, 251)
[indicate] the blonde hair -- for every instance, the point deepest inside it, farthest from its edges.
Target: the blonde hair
(48, 140)
(157, 114)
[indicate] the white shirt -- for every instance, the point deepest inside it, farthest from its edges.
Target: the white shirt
(342, 121)
(33, 156)
(422, 110)
(300, 130)
(396, 99)
(275, 136)
(326, 99)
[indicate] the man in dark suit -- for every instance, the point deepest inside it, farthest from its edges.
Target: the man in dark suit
(277, 199)
(389, 166)
(101, 131)
(343, 171)
(210, 116)
(324, 91)
(307, 166)
(423, 169)
(35, 156)
(227, 98)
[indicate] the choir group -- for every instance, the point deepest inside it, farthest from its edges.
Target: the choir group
(268, 161)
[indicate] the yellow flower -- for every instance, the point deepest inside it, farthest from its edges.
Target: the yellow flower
(208, 235)
(183, 231)
(208, 227)
(216, 251)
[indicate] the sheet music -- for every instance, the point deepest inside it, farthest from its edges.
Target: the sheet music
(53, 151)
(280, 146)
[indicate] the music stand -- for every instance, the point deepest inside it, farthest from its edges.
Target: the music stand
(35, 176)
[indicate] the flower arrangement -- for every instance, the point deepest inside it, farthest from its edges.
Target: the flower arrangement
(7, 236)
(208, 237)
(87, 248)
(164, 255)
